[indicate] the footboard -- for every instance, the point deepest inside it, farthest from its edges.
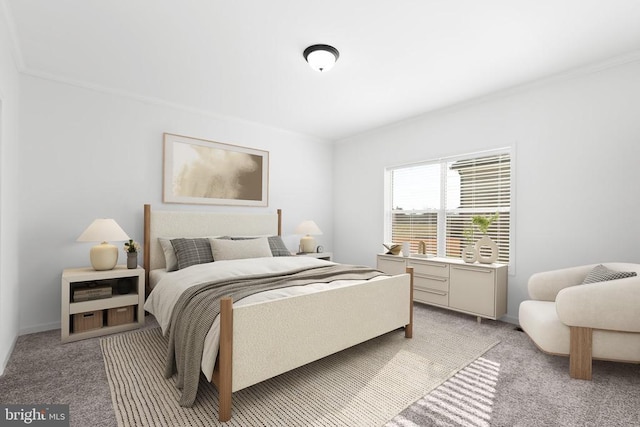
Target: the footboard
(262, 340)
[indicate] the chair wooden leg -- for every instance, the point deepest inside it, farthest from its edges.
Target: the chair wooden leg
(580, 351)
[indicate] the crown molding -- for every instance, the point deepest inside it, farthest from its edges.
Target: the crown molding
(161, 102)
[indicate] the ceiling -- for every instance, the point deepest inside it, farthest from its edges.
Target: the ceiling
(243, 59)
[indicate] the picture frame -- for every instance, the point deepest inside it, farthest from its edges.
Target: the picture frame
(199, 171)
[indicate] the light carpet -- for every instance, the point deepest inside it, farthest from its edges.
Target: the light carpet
(365, 385)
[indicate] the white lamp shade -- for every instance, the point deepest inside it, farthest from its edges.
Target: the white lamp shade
(309, 228)
(105, 255)
(103, 230)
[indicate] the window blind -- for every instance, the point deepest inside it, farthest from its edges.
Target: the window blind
(433, 203)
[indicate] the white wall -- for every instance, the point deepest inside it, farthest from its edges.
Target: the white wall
(87, 154)
(577, 142)
(9, 126)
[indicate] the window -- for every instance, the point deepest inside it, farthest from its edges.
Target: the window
(431, 204)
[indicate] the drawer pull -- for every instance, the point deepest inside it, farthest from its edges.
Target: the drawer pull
(424, 276)
(477, 270)
(430, 264)
(431, 291)
(394, 260)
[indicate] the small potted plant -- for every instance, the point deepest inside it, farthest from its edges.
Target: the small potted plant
(131, 248)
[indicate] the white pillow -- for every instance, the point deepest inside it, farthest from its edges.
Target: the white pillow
(170, 259)
(240, 249)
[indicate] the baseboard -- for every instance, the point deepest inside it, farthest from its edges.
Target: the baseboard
(7, 356)
(510, 319)
(39, 328)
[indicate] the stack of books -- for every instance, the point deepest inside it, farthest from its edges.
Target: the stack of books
(86, 294)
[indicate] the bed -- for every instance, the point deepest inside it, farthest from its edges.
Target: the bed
(268, 333)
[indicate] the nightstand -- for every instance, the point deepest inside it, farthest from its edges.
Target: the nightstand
(320, 255)
(95, 303)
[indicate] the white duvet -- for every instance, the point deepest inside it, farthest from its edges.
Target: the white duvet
(166, 292)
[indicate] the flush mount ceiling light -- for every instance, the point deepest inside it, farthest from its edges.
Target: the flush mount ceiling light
(321, 57)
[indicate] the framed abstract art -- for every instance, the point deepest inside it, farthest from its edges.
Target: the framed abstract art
(197, 171)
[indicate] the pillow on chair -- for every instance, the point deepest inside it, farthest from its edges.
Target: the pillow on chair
(600, 273)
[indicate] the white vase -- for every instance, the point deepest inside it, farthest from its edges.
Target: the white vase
(469, 253)
(484, 245)
(406, 249)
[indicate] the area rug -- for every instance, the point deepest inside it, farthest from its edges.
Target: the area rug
(466, 399)
(365, 385)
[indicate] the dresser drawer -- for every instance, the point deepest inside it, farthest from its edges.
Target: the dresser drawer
(440, 269)
(431, 296)
(391, 265)
(424, 282)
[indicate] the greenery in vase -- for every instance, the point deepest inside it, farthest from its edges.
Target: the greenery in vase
(131, 247)
(484, 222)
(468, 235)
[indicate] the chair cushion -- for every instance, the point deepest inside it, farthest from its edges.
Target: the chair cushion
(600, 273)
(540, 321)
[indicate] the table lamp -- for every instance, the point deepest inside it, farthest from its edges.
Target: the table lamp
(309, 229)
(105, 255)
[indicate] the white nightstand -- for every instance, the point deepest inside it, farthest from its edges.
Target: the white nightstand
(94, 317)
(320, 255)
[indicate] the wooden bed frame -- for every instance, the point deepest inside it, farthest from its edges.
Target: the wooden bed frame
(310, 326)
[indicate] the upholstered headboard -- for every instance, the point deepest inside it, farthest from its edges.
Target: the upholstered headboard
(172, 224)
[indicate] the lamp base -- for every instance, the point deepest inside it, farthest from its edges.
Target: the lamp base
(307, 244)
(103, 256)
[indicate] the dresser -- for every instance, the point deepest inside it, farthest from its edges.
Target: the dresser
(478, 289)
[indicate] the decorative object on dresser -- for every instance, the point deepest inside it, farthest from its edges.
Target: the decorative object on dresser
(479, 289)
(90, 299)
(392, 248)
(309, 229)
(486, 249)
(208, 172)
(406, 249)
(469, 252)
(131, 248)
(105, 255)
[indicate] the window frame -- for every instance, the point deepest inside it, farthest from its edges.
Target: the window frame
(442, 211)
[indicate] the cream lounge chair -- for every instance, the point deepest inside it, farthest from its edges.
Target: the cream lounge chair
(599, 320)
